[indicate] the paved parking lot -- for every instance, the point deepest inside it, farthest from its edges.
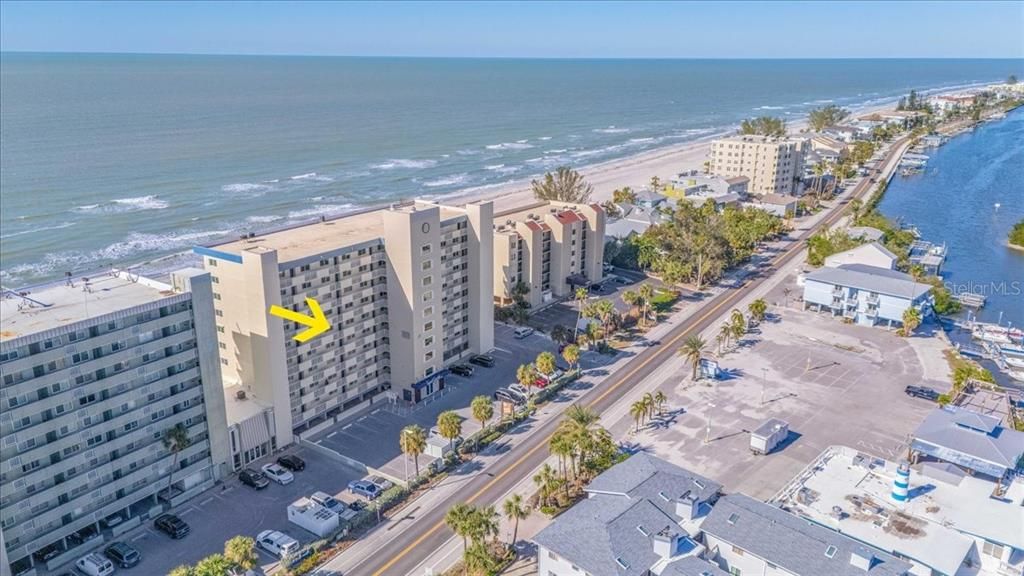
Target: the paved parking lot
(567, 312)
(372, 438)
(235, 509)
(835, 384)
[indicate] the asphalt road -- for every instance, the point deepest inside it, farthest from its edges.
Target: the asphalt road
(403, 553)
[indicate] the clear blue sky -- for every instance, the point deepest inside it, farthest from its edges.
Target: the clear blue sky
(532, 29)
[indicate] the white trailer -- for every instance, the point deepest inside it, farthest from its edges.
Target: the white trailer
(313, 517)
(768, 436)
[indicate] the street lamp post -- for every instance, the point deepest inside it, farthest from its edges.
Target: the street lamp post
(707, 423)
(764, 383)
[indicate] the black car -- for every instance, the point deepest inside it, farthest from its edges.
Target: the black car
(485, 360)
(172, 526)
(464, 370)
(253, 478)
(921, 392)
(292, 462)
(504, 395)
(123, 555)
(356, 505)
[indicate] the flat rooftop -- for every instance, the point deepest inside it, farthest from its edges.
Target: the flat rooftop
(239, 410)
(932, 528)
(61, 303)
(312, 238)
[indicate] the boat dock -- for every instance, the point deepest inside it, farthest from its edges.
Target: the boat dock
(927, 255)
(971, 299)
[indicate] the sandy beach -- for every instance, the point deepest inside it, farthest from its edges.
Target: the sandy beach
(633, 171)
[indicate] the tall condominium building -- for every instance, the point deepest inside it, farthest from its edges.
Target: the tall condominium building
(95, 372)
(401, 288)
(549, 248)
(772, 164)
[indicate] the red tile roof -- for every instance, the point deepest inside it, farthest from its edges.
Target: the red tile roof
(568, 217)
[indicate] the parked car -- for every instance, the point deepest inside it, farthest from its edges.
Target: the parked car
(253, 478)
(364, 488)
(608, 268)
(620, 280)
(357, 505)
(504, 395)
(123, 555)
(93, 564)
(380, 482)
(277, 543)
(522, 332)
(921, 392)
(485, 360)
(278, 474)
(464, 370)
(172, 526)
(333, 504)
(520, 390)
(292, 462)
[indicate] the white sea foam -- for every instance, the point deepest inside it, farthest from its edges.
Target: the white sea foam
(246, 189)
(522, 141)
(544, 138)
(467, 152)
(119, 205)
(556, 151)
(453, 180)
(611, 130)
(320, 210)
(394, 163)
(263, 219)
(313, 176)
(38, 229)
(641, 140)
(494, 167)
(521, 145)
(770, 108)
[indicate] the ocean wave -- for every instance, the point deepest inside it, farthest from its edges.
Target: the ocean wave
(312, 176)
(544, 138)
(641, 140)
(610, 130)
(263, 219)
(246, 189)
(394, 163)
(557, 151)
(770, 108)
(120, 205)
(520, 145)
(453, 180)
(38, 229)
(494, 167)
(320, 210)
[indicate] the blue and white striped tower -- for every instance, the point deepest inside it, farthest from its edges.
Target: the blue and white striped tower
(901, 483)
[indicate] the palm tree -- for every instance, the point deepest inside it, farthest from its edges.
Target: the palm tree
(646, 294)
(632, 299)
(545, 363)
(183, 570)
(515, 510)
(561, 445)
(413, 442)
(176, 440)
(581, 415)
(757, 309)
(459, 518)
(660, 399)
(785, 294)
(738, 324)
(692, 350)
(571, 354)
(648, 401)
(213, 565)
(580, 296)
(483, 410)
(526, 374)
(547, 482)
(449, 424)
(638, 410)
(911, 320)
(559, 334)
(240, 551)
(564, 185)
(724, 334)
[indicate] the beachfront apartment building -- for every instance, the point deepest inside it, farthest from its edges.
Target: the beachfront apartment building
(549, 248)
(94, 373)
(774, 165)
(867, 295)
(407, 290)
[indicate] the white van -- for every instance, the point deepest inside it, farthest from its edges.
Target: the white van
(94, 565)
(277, 543)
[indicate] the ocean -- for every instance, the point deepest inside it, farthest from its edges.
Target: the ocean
(122, 159)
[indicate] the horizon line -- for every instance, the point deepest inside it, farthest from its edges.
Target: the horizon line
(450, 57)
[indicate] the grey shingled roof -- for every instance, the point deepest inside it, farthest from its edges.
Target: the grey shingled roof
(986, 440)
(640, 492)
(871, 278)
(693, 566)
(866, 232)
(792, 543)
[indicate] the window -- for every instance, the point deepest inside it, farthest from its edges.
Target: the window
(427, 265)
(425, 249)
(428, 356)
(737, 551)
(830, 552)
(992, 549)
(428, 280)
(428, 295)
(428, 326)
(428, 341)
(735, 571)
(428, 311)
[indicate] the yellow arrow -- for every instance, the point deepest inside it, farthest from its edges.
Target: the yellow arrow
(317, 323)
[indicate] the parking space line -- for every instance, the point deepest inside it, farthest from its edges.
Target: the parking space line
(346, 426)
(375, 411)
(207, 501)
(140, 536)
(331, 435)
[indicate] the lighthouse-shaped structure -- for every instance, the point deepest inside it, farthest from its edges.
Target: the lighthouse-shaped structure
(901, 483)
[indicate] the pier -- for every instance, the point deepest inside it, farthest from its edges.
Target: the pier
(971, 299)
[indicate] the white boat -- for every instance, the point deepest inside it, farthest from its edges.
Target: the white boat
(1017, 375)
(1012, 350)
(1014, 361)
(997, 329)
(991, 336)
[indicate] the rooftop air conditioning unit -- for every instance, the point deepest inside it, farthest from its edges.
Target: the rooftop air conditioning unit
(240, 395)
